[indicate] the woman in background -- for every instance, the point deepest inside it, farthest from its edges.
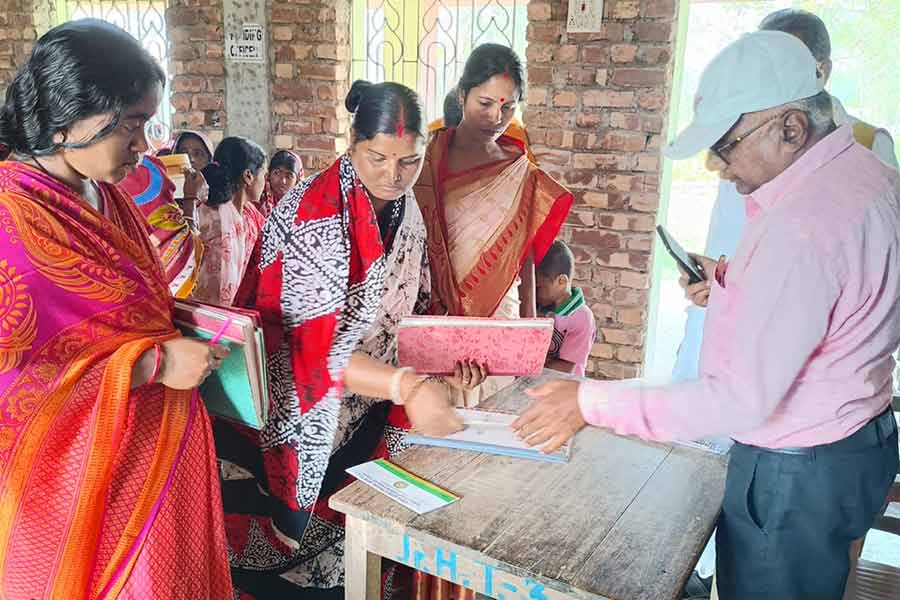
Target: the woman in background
(491, 213)
(108, 485)
(229, 222)
(285, 170)
(198, 147)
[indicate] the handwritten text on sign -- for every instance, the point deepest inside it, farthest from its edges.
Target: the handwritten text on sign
(585, 16)
(473, 574)
(248, 45)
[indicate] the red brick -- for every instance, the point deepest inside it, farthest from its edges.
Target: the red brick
(565, 99)
(581, 218)
(601, 77)
(597, 240)
(595, 199)
(282, 33)
(647, 202)
(181, 102)
(328, 71)
(653, 55)
(629, 354)
(623, 53)
(622, 337)
(599, 55)
(648, 162)
(283, 14)
(608, 98)
(652, 31)
(603, 312)
(301, 126)
(316, 142)
(624, 141)
(545, 32)
(293, 91)
(626, 9)
(537, 96)
(283, 108)
(539, 53)
(208, 102)
(538, 75)
(554, 157)
(638, 77)
(635, 280)
(654, 99)
(589, 120)
(206, 67)
(187, 83)
(602, 351)
(539, 11)
(659, 9)
(623, 183)
(566, 54)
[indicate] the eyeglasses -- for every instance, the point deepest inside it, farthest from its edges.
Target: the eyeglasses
(723, 149)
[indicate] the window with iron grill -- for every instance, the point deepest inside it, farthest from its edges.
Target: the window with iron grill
(424, 44)
(146, 21)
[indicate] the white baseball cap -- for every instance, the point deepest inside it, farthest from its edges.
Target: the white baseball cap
(760, 70)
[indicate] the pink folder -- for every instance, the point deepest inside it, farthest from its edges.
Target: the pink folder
(434, 345)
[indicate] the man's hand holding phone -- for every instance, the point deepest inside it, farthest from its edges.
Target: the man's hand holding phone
(698, 293)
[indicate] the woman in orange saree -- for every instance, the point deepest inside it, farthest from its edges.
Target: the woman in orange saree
(108, 486)
(491, 213)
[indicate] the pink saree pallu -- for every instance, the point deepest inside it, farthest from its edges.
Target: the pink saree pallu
(105, 492)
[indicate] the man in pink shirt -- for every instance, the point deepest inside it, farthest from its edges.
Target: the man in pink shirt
(802, 322)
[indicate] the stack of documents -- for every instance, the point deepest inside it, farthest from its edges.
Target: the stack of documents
(238, 389)
(492, 433)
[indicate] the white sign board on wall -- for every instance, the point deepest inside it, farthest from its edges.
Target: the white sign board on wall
(247, 45)
(585, 16)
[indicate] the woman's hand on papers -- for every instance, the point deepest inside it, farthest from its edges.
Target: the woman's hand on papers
(429, 408)
(467, 375)
(553, 418)
(186, 362)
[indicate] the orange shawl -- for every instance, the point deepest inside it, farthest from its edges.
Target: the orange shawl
(535, 219)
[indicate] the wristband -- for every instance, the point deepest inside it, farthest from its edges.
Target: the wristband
(396, 379)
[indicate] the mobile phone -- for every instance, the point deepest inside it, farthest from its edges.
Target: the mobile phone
(688, 265)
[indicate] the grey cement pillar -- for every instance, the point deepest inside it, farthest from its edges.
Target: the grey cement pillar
(247, 83)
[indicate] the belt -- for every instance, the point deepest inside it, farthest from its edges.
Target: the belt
(872, 433)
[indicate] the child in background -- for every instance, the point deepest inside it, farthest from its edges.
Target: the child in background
(574, 327)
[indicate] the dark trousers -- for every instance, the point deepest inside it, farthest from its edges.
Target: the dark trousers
(788, 519)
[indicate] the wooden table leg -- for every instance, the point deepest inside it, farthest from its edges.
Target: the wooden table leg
(362, 580)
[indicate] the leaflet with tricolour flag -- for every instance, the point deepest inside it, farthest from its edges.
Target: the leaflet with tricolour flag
(402, 486)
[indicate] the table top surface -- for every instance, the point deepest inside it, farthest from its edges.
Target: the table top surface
(623, 519)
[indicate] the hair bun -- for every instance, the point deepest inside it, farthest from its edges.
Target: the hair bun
(355, 95)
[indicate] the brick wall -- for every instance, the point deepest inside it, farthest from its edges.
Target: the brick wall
(198, 66)
(17, 35)
(310, 77)
(596, 109)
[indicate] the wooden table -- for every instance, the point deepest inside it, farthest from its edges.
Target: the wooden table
(624, 519)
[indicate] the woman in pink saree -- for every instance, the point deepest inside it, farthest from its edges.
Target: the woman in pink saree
(108, 486)
(230, 223)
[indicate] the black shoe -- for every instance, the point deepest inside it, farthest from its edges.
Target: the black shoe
(697, 588)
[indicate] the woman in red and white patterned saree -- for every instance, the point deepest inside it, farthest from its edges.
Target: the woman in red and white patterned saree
(327, 247)
(108, 486)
